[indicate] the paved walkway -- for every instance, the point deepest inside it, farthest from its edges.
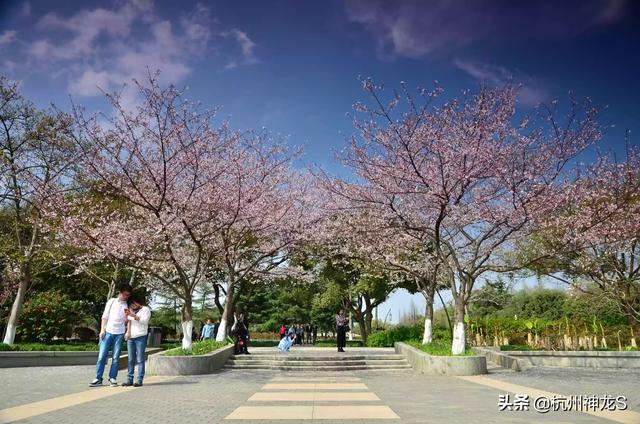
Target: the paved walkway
(61, 395)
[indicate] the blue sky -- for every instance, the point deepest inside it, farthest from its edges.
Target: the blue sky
(293, 66)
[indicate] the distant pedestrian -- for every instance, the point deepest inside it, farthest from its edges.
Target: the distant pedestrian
(283, 332)
(112, 330)
(240, 330)
(137, 334)
(216, 327)
(207, 331)
(341, 328)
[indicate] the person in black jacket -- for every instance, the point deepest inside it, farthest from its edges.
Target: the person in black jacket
(240, 330)
(341, 329)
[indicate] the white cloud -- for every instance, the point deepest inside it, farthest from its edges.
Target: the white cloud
(8, 37)
(416, 29)
(247, 47)
(91, 83)
(26, 9)
(107, 47)
(530, 92)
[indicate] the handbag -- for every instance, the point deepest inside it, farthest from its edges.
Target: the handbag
(347, 328)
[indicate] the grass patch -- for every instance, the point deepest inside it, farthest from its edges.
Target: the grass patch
(438, 347)
(197, 348)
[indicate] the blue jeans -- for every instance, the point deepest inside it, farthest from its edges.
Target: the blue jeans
(109, 342)
(135, 350)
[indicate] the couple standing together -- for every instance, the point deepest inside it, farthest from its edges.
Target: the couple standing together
(125, 318)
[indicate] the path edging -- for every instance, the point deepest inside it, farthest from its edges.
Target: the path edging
(160, 364)
(55, 358)
(424, 363)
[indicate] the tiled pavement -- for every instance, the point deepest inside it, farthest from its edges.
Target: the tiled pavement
(212, 398)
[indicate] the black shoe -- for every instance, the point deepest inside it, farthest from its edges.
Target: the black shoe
(137, 384)
(127, 383)
(247, 353)
(96, 383)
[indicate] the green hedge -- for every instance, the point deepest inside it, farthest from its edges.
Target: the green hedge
(198, 348)
(59, 347)
(398, 333)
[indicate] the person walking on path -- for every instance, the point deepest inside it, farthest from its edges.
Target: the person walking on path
(112, 329)
(207, 330)
(342, 328)
(136, 336)
(283, 332)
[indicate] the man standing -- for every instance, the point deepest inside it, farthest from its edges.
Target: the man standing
(112, 331)
(207, 331)
(137, 331)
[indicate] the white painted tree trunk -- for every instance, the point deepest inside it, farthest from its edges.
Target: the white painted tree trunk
(10, 334)
(14, 316)
(458, 344)
(222, 331)
(187, 331)
(427, 337)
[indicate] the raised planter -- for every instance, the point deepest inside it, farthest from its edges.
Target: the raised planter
(56, 358)
(502, 358)
(587, 359)
(424, 363)
(160, 364)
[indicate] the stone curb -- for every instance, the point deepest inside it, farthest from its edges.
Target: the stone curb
(51, 358)
(160, 364)
(424, 363)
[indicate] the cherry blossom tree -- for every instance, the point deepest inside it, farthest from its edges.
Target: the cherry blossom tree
(37, 158)
(174, 197)
(405, 257)
(470, 173)
(271, 211)
(592, 240)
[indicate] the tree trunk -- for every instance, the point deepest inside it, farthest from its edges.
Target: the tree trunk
(458, 344)
(16, 309)
(216, 298)
(187, 323)
(427, 337)
(363, 328)
(368, 320)
(227, 315)
(111, 291)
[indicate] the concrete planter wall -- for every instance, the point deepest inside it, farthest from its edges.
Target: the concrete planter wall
(56, 358)
(502, 358)
(424, 363)
(160, 364)
(587, 359)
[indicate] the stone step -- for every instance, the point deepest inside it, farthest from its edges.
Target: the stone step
(314, 361)
(286, 357)
(319, 368)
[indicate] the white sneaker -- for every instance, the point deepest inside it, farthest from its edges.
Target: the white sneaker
(95, 383)
(113, 382)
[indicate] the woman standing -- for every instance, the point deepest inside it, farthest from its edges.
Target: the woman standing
(138, 316)
(341, 325)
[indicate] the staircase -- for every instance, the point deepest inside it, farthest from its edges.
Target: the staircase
(319, 359)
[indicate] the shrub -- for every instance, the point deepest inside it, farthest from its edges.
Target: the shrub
(399, 333)
(46, 315)
(85, 334)
(5, 347)
(198, 348)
